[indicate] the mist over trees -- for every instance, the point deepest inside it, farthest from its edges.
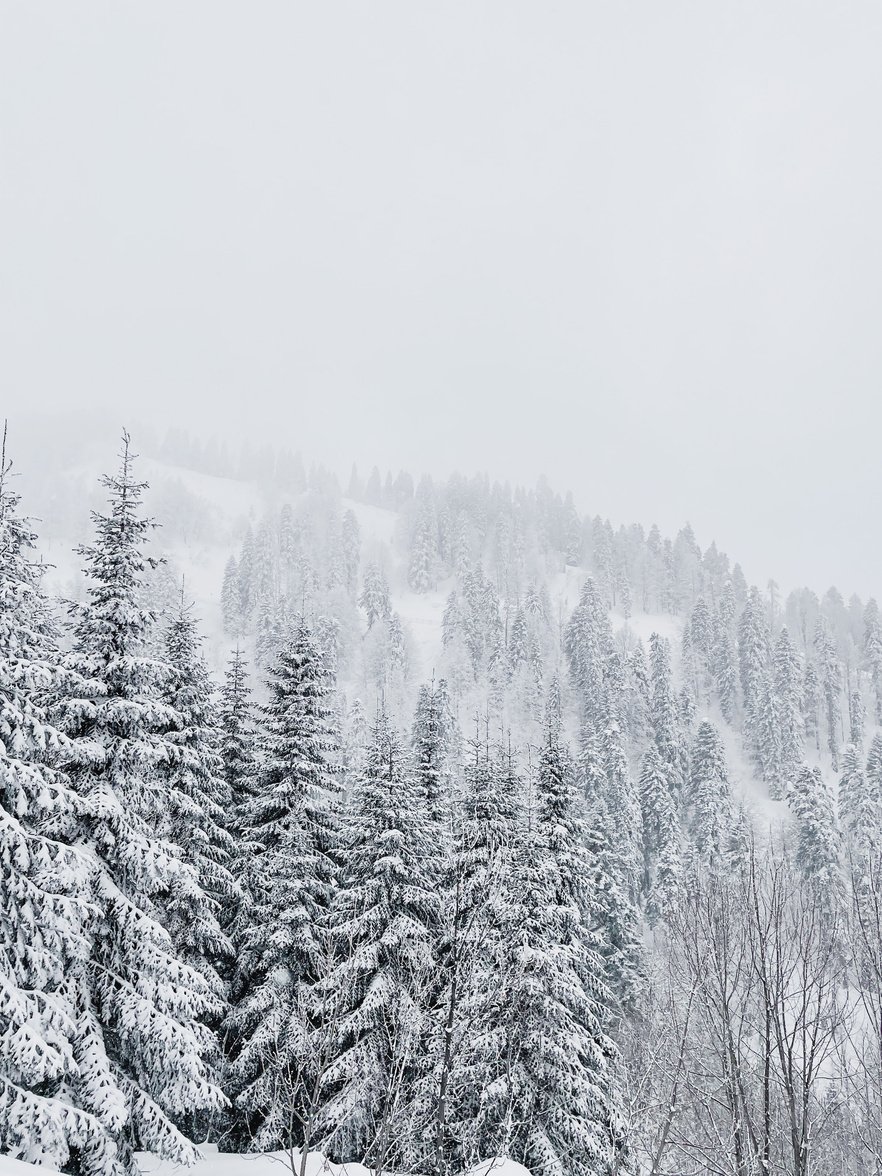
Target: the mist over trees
(468, 826)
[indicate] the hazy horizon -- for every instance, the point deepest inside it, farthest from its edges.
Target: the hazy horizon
(634, 248)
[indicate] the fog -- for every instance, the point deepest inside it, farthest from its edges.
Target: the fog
(633, 246)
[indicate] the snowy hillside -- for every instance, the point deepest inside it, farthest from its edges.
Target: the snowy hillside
(431, 784)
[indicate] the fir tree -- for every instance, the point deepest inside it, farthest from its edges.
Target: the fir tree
(830, 674)
(237, 728)
(661, 837)
(383, 920)
(44, 923)
(140, 1007)
(663, 712)
(538, 1058)
(856, 717)
(292, 830)
(374, 597)
(351, 541)
(710, 795)
(725, 669)
(588, 645)
(817, 834)
(231, 603)
(198, 806)
(790, 719)
(423, 545)
(754, 657)
(430, 740)
(860, 802)
(873, 651)
(474, 903)
(622, 804)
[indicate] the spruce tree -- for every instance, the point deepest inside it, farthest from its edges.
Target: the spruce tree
(817, 835)
(754, 658)
(44, 923)
(140, 1007)
(538, 1060)
(724, 667)
(664, 714)
(420, 574)
(661, 837)
(237, 734)
(860, 803)
(198, 806)
(351, 541)
(430, 740)
(374, 597)
(231, 600)
(830, 676)
(710, 795)
(473, 891)
(588, 645)
(382, 926)
(622, 804)
(856, 717)
(873, 652)
(788, 679)
(291, 827)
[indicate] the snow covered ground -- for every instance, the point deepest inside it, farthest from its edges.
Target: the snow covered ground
(215, 1163)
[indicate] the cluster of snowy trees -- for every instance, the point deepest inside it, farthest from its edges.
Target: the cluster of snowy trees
(218, 921)
(516, 910)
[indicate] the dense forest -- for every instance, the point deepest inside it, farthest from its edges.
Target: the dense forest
(496, 831)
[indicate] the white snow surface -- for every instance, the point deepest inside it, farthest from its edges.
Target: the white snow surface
(215, 1163)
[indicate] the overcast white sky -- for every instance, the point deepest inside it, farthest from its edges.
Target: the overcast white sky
(635, 246)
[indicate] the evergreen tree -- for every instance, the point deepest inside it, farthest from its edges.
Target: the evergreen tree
(830, 675)
(710, 795)
(450, 621)
(588, 645)
(725, 668)
(474, 903)
(874, 768)
(140, 1008)
(292, 830)
(856, 717)
(754, 664)
(430, 739)
(420, 575)
(551, 1102)
(374, 597)
(231, 601)
(661, 837)
(663, 712)
(198, 806)
(538, 1059)
(238, 736)
(622, 804)
(873, 651)
(351, 551)
(860, 802)
(43, 922)
(811, 693)
(790, 719)
(383, 927)
(701, 633)
(247, 598)
(817, 834)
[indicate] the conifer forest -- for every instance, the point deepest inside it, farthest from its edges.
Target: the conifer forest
(440, 588)
(461, 826)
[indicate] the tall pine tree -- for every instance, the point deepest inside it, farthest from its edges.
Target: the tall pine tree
(140, 1007)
